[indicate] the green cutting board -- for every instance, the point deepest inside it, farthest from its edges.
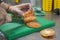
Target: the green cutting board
(17, 28)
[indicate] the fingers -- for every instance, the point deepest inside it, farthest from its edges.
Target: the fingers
(3, 14)
(16, 10)
(19, 9)
(8, 19)
(3, 11)
(24, 5)
(19, 12)
(27, 5)
(2, 19)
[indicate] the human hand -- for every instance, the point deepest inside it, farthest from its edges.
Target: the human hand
(4, 17)
(21, 8)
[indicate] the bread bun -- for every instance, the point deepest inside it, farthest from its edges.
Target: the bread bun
(29, 19)
(33, 24)
(47, 33)
(29, 13)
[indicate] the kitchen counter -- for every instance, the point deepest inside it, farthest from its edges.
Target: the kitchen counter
(37, 36)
